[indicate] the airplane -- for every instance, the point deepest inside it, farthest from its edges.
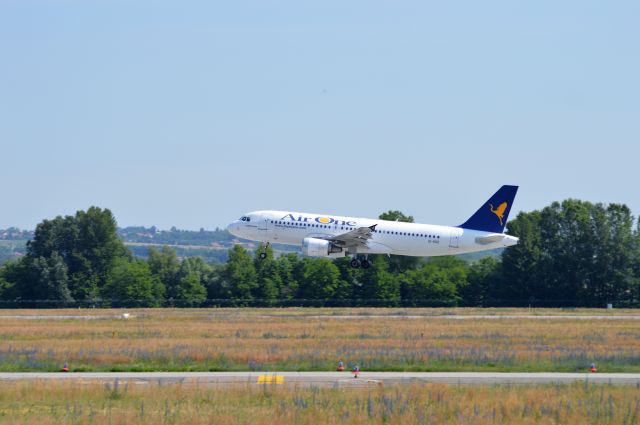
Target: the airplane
(333, 236)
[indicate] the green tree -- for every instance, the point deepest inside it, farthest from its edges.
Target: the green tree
(268, 275)
(188, 289)
(51, 280)
(6, 287)
(379, 286)
(350, 287)
(571, 253)
(198, 267)
(289, 266)
(395, 215)
(215, 284)
(164, 265)
(483, 277)
(614, 259)
(570, 257)
(98, 241)
(239, 278)
(436, 283)
(321, 279)
(132, 284)
(14, 274)
(88, 245)
(522, 264)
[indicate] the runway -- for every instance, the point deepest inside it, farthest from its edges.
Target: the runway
(331, 379)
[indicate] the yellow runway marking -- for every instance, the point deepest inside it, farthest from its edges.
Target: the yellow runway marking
(271, 379)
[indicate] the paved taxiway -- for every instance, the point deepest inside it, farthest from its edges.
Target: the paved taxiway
(335, 379)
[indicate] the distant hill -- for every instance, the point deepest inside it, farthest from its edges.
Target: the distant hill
(15, 234)
(209, 244)
(11, 249)
(202, 237)
(212, 245)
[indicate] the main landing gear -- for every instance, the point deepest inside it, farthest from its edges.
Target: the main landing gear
(356, 264)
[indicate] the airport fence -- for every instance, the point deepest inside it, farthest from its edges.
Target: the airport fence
(279, 303)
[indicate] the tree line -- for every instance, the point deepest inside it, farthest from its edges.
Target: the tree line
(572, 253)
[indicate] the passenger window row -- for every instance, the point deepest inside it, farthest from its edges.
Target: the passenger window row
(321, 226)
(418, 235)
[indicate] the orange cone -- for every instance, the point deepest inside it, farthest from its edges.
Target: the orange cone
(356, 371)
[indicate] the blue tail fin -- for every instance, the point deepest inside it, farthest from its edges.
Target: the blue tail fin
(492, 216)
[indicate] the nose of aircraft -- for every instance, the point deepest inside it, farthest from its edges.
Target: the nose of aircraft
(233, 228)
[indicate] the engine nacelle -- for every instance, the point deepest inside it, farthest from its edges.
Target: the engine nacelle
(314, 247)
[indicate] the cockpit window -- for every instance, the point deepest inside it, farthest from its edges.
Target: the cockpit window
(245, 218)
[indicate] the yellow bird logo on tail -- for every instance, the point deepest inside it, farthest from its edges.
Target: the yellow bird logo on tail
(499, 212)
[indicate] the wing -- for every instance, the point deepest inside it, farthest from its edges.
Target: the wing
(354, 238)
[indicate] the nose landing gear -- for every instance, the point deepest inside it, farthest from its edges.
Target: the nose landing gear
(263, 254)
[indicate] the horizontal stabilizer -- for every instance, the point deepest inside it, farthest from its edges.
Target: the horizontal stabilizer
(485, 240)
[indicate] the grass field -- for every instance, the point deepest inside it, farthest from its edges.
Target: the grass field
(45, 403)
(314, 340)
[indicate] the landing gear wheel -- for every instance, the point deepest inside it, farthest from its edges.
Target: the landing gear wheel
(365, 264)
(263, 254)
(355, 263)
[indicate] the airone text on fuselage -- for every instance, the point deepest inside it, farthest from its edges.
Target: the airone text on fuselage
(318, 219)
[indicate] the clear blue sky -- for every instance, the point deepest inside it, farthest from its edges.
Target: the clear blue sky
(191, 113)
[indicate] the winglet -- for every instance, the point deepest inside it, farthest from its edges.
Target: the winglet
(493, 215)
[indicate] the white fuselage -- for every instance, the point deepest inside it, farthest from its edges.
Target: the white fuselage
(389, 237)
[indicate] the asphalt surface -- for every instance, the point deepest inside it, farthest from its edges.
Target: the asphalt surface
(333, 379)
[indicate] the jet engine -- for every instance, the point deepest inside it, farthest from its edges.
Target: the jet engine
(314, 247)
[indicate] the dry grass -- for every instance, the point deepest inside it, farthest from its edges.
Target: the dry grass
(45, 403)
(311, 339)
